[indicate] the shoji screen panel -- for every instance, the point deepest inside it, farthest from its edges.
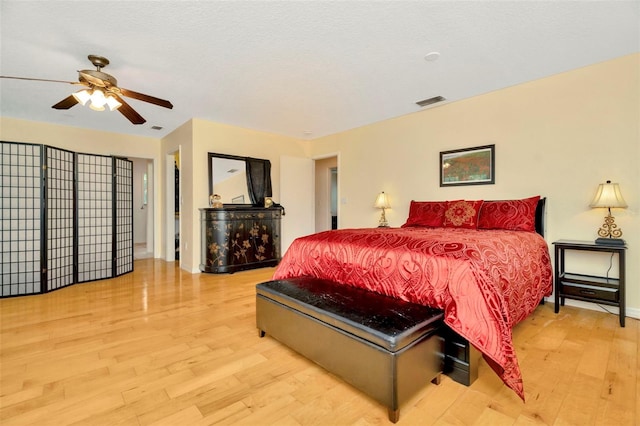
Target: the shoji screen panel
(20, 218)
(59, 185)
(65, 218)
(124, 215)
(94, 214)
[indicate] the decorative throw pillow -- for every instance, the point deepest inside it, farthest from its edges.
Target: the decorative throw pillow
(462, 214)
(426, 213)
(513, 215)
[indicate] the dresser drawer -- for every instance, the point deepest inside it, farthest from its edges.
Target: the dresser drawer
(590, 292)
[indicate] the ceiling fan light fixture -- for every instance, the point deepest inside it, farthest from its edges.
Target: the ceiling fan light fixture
(113, 103)
(82, 96)
(98, 101)
(102, 90)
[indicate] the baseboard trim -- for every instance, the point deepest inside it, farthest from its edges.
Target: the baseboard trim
(630, 312)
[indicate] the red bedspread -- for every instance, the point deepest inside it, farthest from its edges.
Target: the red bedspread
(486, 281)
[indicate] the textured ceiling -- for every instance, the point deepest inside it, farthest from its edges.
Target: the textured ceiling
(303, 69)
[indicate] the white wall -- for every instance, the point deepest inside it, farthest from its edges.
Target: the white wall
(558, 137)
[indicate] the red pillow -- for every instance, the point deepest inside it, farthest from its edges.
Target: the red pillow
(462, 214)
(513, 215)
(426, 213)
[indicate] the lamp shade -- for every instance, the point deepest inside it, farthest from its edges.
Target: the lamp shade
(82, 96)
(113, 103)
(98, 101)
(608, 195)
(382, 202)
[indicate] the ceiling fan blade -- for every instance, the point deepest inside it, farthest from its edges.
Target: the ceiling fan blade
(146, 98)
(40, 79)
(129, 112)
(66, 103)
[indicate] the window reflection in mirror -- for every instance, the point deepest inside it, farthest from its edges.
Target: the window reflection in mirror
(229, 179)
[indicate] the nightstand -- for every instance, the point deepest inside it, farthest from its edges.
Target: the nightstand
(589, 288)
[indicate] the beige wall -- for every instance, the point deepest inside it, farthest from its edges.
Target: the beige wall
(78, 139)
(558, 137)
(233, 187)
(222, 139)
(179, 141)
(193, 140)
(88, 141)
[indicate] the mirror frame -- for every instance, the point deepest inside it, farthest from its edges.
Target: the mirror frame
(211, 156)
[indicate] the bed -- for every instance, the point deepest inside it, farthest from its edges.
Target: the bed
(484, 263)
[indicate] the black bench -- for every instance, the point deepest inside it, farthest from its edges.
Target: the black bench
(388, 348)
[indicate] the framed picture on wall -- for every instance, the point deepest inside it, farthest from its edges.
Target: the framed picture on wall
(468, 166)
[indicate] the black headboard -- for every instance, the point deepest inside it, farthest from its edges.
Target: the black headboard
(540, 216)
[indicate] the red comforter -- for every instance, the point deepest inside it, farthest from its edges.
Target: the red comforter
(486, 281)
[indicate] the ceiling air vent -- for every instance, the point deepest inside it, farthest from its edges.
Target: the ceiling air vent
(156, 128)
(430, 101)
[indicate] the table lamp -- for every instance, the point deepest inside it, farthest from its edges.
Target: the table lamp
(382, 202)
(609, 196)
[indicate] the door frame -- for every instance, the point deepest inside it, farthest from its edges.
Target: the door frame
(170, 213)
(338, 166)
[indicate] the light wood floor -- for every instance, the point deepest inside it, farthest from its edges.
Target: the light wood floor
(164, 347)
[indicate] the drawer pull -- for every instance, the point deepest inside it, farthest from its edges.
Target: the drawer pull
(589, 292)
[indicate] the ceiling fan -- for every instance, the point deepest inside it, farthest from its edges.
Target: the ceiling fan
(102, 90)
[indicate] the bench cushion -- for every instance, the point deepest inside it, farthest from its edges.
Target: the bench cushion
(384, 321)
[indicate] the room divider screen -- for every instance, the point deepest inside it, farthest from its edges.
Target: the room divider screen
(21, 218)
(123, 208)
(95, 217)
(65, 218)
(60, 184)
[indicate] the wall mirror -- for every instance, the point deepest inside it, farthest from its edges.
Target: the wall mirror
(240, 181)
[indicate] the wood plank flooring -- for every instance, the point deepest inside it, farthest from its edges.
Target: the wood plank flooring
(164, 347)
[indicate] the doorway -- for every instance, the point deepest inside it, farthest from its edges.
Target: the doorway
(334, 198)
(326, 193)
(172, 206)
(143, 208)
